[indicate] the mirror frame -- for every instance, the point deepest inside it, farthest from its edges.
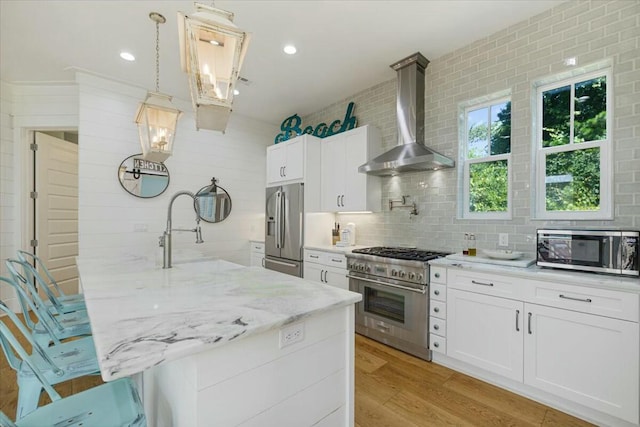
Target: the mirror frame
(128, 171)
(205, 219)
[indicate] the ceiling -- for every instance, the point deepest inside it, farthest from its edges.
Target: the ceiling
(343, 46)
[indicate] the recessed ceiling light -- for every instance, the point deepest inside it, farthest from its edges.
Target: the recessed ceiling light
(236, 92)
(127, 56)
(290, 49)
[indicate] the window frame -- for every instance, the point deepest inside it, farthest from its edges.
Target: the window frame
(464, 178)
(605, 146)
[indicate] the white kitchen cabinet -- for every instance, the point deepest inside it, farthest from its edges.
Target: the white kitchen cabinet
(344, 189)
(578, 344)
(486, 332)
(326, 267)
(592, 360)
(286, 161)
(437, 310)
(257, 253)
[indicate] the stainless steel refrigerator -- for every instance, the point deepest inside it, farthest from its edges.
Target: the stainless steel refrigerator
(284, 229)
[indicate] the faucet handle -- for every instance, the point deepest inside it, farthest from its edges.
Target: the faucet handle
(161, 241)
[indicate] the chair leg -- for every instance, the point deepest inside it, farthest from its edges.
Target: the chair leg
(29, 390)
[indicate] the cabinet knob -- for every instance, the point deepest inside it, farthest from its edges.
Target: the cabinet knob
(437, 275)
(436, 292)
(436, 309)
(436, 327)
(436, 345)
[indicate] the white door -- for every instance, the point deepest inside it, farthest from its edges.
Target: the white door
(276, 159)
(486, 332)
(56, 208)
(294, 166)
(592, 360)
(355, 183)
(332, 173)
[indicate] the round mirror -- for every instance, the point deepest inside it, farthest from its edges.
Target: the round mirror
(214, 202)
(143, 178)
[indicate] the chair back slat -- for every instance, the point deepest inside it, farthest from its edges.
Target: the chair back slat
(38, 266)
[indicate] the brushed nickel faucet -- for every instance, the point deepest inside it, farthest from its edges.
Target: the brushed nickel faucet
(165, 239)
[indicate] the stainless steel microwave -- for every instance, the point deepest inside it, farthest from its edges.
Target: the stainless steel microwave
(598, 251)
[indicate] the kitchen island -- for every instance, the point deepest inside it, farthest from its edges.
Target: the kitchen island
(215, 343)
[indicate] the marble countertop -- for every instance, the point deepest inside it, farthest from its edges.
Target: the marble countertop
(627, 284)
(142, 315)
(334, 249)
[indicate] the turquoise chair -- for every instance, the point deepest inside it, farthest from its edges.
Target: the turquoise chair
(115, 403)
(60, 303)
(57, 363)
(48, 328)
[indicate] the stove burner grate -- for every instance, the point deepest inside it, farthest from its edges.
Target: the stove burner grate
(401, 253)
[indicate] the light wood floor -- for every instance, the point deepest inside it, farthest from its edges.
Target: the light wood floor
(393, 389)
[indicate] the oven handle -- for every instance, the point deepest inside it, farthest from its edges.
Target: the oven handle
(418, 291)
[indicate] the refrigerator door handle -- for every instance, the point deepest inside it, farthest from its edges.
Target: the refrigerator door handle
(283, 225)
(277, 219)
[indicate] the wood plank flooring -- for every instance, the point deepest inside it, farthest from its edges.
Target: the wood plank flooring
(393, 389)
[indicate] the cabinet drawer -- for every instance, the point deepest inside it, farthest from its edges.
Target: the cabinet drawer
(438, 343)
(336, 260)
(314, 256)
(438, 309)
(437, 274)
(604, 302)
(483, 283)
(438, 292)
(438, 326)
(257, 247)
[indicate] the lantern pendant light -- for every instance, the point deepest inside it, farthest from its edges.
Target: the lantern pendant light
(157, 118)
(212, 50)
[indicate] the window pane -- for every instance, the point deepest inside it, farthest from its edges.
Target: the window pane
(501, 128)
(556, 105)
(572, 180)
(488, 186)
(590, 116)
(477, 126)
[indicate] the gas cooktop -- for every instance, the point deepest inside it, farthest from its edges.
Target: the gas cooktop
(412, 254)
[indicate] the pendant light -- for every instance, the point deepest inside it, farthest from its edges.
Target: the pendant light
(212, 50)
(157, 118)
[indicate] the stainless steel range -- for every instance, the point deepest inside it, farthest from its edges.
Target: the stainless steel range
(394, 285)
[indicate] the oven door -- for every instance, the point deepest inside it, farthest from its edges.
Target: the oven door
(394, 309)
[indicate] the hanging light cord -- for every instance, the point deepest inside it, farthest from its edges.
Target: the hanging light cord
(157, 56)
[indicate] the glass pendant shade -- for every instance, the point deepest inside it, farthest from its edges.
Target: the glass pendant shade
(157, 120)
(212, 50)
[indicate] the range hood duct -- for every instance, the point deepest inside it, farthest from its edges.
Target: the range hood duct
(410, 155)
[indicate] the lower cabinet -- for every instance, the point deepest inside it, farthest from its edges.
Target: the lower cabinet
(586, 358)
(486, 332)
(326, 267)
(592, 360)
(257, 254)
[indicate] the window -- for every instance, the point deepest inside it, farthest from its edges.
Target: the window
(485, 152)
(573, 148)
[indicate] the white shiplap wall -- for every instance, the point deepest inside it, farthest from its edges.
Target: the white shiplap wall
(109, 216)
(7, 196)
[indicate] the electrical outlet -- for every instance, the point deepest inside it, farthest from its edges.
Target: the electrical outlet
(291, 334)
(503, 239)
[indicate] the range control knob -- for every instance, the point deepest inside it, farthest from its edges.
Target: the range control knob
(420, 277)
(412, 275)
(367, 269)
(402, 273)
(394, 273)
(350, 266)
(362, 267)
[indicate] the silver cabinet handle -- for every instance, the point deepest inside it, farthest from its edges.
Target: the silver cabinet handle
(437, 275)
(338, 200)
(336, 260)
(342, 200)
(325, 276)
(263, 262)
(481, 283)
(314, 256)
(529, 327)
(436, 309)
(436, 327)
(575, 299)
(436, 292)
(517, 321)
(436, 344)
(281, 171)
(284, 171)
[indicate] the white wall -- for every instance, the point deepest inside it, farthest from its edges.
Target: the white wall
(109, 215)
(512, 58)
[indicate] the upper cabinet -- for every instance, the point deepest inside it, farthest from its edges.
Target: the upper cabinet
(344, 189)
(296, 160)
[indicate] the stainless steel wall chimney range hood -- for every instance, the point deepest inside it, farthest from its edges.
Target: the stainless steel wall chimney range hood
(411, 154)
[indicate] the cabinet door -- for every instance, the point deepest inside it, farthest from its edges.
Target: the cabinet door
(486, 332)
(257, 260)
(276, 159)
(336, 277)
(313, 272)
(589, 359)
(355, 183)
(294, 165)
(332, 173)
